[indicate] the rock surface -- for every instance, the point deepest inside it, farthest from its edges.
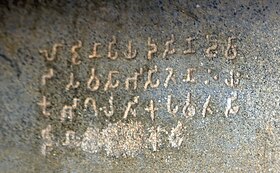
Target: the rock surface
(142, 86)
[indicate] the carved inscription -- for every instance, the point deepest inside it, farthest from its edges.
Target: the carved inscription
(152, 110)
(168, 50)
(91, 103)
(149, 81)
(44, 104)
(51, 56)
(112, 54)
(47, 140)
(133, 79)
(46, 76)
(93, 82)
(229, 108)
(130, 109)
(109, 112)
(123, 133)
(110, 83)
(94, 51)
(74, 53)
(206, 107)
(68, 111)
(130, 53)
(72, 83)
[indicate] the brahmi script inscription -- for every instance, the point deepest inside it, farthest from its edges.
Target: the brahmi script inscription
(123, 134)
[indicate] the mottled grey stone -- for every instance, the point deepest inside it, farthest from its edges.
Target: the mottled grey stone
(247, 141)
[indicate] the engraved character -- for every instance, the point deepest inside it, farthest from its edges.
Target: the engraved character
(149, 82)
(190, 78)
(233, 81)
(111, 107)
(130, 54)
(44, 104)
(169, 110)
(229, 108)
(189, 108)
(153, 49)
(109, 83)
(170, 76)
(93, 105)
(71, 139)
(94, 51)
(71, 83)
(75, 53)
(111, 55)
(176, 136)
(129, 108)
(231, 51)
(49, 75)
(67, 111)
(133, 79)
(155, 137)
(168, 50)
(152, 109)
(53, 53)
(211, 51)
(206, 107)
(190, 49)
(92, 78)
(47, 140)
